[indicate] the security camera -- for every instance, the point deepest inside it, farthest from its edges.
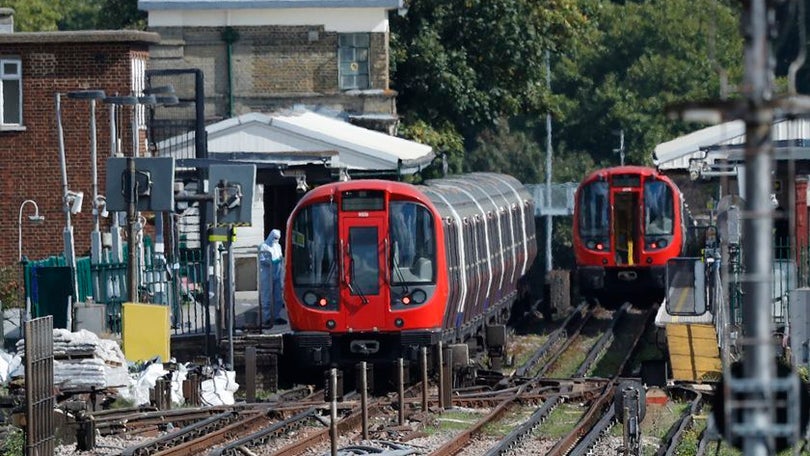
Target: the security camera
(301, 184)
(76, 202)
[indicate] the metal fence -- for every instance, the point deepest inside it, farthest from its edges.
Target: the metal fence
(176, 282)
(562, 199)
(791, 270)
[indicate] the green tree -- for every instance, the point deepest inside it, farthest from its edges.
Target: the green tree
(464, 64)
(79, 14)
(46, 16)
(510, 152)
(121, 14)
(34, 15)
(638, 59)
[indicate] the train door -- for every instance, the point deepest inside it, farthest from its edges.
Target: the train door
(626, 233)
(362, 247)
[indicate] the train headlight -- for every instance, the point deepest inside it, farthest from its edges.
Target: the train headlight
(310, 298)
(600, 246)
(662, 243)
(416, 297)
(590, 244)
(419, 296)
(323, 302)
(330, 324)
(399, 322)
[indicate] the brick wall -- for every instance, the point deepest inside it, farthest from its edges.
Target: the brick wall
(274, 67)
(29, 159)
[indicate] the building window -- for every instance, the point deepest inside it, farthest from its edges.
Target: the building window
(353, 56)
(10, 91)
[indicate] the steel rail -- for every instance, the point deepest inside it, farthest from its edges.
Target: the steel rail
(676, 432)
(201, 427)
(585, 428)
(554, 337)
(261, 436)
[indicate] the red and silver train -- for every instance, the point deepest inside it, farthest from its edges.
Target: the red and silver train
(628, 222)
(377, 269)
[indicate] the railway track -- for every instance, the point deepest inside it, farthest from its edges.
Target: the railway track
(520, 403)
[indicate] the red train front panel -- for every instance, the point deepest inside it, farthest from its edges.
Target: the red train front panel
(627, 223)
(365, 270)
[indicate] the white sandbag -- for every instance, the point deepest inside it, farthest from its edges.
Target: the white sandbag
(219, 390)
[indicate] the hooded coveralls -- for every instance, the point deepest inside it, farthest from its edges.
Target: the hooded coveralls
(270, 272)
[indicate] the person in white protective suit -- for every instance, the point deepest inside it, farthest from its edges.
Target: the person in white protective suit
(271, 265)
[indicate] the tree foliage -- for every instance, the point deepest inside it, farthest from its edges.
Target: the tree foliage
(510, 152)
(47, 16)
(34, 15)
(468, 63)
(473, 66)
(639, 59)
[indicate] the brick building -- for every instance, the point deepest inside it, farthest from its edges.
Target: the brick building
(267, 55)
(34, 67)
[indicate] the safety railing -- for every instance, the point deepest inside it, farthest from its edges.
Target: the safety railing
(179, 284)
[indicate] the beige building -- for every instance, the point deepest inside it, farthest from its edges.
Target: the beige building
(328, 56)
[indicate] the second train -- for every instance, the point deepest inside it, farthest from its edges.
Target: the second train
(628, 222)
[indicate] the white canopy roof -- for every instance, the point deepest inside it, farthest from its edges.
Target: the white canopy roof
(676, 154)
(305, 136)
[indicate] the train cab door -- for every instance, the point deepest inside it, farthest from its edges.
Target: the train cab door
(362, 238)
(626, 233)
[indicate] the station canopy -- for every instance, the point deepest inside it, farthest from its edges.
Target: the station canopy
(298, 137)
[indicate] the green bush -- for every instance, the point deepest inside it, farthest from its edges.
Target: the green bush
(10, 287)
(13, 444)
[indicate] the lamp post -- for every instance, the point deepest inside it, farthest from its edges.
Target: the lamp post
(72, 201)
(95, 236)
(36, 218)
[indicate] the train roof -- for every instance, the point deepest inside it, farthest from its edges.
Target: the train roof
(468, 194)
(630, 169)
(476, 194)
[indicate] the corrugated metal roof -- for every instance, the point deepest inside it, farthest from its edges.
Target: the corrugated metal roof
(282, 137)
(676, 154)
(706, 143)
(149, 5)
(364, 143)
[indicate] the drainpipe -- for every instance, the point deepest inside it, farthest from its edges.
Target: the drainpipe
(230, 36)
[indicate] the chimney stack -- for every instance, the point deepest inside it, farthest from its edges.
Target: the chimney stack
(6, 20)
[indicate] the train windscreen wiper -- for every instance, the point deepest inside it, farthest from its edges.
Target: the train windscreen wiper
(398, 272)
(353, 286)
(332, 267)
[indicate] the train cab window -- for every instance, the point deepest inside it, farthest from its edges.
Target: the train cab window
(365, 265)
(658, 208)
(593, 215)
(413, 243)
(314, 250)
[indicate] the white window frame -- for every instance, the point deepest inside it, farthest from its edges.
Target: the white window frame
(16, 76)
(351, 55)
(138, 85)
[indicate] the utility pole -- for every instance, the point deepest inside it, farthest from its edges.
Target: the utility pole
(549, 225)
(759, 365)
(750, 396)
(620, 150)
